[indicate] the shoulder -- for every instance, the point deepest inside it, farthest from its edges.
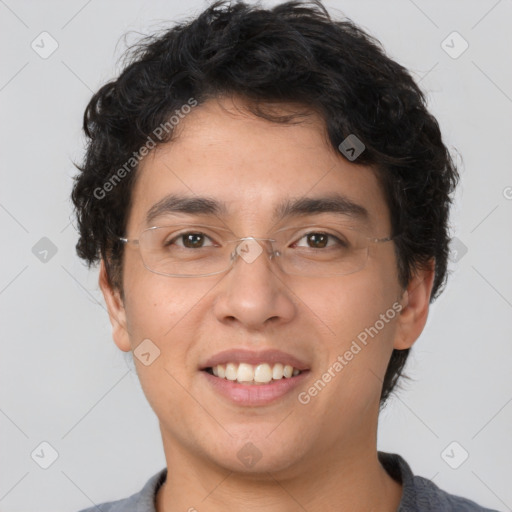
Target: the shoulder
(422, 495)
(430, 497)
(142, 501)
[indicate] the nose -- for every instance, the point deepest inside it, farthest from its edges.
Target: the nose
(254, 293)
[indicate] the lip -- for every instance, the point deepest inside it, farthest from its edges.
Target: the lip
(254, 357)
(254, 395)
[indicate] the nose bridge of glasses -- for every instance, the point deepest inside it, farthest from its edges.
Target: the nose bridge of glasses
(250, 248)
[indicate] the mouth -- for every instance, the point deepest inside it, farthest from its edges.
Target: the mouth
(254, 378)
(250, 374)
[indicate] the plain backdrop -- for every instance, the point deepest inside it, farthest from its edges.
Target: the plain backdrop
(63, 381)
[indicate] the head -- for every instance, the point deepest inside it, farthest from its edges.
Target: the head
(247, 107)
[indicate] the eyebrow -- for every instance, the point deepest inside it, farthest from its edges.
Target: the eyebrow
(332, 203)
(187, 205)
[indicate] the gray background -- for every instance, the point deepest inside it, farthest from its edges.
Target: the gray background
(64, 381)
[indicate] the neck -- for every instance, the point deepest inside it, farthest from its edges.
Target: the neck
(344, 481)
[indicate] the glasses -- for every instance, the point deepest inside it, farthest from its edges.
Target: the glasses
(193, 250)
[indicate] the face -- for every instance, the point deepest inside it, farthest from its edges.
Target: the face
(254, 313)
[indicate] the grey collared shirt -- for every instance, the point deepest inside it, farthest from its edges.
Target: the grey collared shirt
(418, 493)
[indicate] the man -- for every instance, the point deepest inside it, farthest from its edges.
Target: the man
(268, 198)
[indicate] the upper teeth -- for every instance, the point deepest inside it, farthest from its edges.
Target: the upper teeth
(245, 372)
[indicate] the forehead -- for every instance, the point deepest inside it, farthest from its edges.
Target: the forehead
(252, 172)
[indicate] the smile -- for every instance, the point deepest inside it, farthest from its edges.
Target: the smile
(253, 378)
(246, 373)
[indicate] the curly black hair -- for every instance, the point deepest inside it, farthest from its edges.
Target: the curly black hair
(294, 53)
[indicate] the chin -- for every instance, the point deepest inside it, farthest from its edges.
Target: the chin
(256, 455)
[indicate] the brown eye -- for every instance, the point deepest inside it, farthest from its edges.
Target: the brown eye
(192, 240)
(317, 240)
(189, 240)
(320, 240)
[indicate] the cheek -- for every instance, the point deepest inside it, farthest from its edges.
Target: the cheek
(161, 319)
(356, 349)
(348, 305)
(172, 312)
(157, 305)
(359, 313)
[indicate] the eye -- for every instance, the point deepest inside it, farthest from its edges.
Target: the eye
(190, 240)
(319, 240)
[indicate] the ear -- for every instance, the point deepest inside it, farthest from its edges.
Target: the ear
(415, 304)
(116, 311)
